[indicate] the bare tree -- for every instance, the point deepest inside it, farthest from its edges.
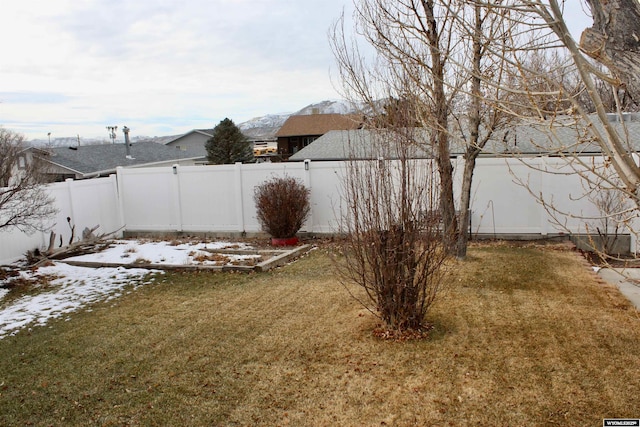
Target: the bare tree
(440, 61)
(615, 217)
(546, 78)
(483, 71)
(24, 204)
(413, 42)
(580, 106)
(613, 97)
(618, 54)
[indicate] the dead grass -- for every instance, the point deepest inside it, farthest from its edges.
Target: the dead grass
(524, 336)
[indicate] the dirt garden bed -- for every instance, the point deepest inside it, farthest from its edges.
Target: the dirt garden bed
(187, 255)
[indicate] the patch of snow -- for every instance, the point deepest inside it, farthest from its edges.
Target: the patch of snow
(268, 121)
(128, 251)
(331, 106)
(596, 269)
(74, 288)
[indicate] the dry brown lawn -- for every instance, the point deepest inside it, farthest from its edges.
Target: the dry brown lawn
(524, 336)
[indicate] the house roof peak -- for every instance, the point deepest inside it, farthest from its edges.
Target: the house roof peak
(318, 124)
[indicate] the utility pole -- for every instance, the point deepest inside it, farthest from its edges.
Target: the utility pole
(112, 133)
(126, 141)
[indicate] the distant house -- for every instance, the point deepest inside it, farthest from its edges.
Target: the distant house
(91, 161)
(299, 131)
(193, 141)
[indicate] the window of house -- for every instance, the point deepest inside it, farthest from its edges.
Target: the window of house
(308, 140)
(293, 144)
(22, 162)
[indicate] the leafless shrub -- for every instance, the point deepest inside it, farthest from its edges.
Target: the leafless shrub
(616, 215)
(394, 247)
(282, 205)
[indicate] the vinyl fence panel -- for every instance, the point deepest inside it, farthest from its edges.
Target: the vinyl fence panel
(219, 199)
(86, 203)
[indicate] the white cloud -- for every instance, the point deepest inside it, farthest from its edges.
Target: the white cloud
(162, 66)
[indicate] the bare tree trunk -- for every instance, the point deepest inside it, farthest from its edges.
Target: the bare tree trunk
(465, 201)
(473, 148)
(445, 170)
(614, 40)
(440, 138)
(52, 242)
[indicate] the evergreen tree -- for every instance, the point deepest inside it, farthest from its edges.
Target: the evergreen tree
(228, 145)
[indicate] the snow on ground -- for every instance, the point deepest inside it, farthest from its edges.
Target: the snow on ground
(129, 251)
(75, 287)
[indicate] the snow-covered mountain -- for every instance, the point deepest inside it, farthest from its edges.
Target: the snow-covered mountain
(265, 127)
(329, 107)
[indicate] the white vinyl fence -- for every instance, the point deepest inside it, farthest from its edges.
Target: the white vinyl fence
(86, 203)
(503, 201)
(219, 199)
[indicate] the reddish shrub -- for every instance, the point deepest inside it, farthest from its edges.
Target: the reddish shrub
(282, 205)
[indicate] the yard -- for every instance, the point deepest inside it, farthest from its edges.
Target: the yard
(524, 335)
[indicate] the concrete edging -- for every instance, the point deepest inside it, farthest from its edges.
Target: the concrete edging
(622, 278)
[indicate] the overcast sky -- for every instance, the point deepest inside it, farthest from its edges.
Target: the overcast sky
(161, 67)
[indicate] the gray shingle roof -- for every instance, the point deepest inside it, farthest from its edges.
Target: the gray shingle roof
(358, 144)
(557, 137)
(89, 159)
(523, 139)
(318, 124)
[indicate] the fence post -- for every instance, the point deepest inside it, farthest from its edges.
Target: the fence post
(119, 189)
(544, 215)
(307, 183)
(72, 212)
(634, 242)
(177, 199)
(239, 193)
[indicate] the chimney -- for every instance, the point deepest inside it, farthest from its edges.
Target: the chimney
(126, 141)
